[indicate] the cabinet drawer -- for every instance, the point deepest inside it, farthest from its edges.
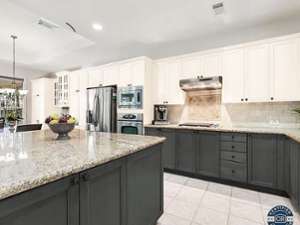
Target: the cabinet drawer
(233, 146)
(234, 156)
(233, 171)
(234, 137)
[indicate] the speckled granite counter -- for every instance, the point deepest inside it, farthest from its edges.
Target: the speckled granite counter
(290, 132)
(28, 160)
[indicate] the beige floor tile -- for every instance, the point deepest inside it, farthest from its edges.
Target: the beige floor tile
(245, 195)
(247, 211)
(216, 201)
(205, 216)
(171, 189)
(219, 189)
(168, 219)
(182, 209)
(269, 201)
(167, 201)
(190, 194)
(233, 220)
(197, 183)
(178, 179)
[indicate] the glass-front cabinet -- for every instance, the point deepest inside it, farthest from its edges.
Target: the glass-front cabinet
(61, 89)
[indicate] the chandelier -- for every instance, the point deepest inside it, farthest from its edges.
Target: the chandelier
(11, 98)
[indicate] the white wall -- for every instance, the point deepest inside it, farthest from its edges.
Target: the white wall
(25, 73)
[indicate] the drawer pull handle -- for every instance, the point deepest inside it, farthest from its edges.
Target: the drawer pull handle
(232, 156)
(232, 137)
(232, 146)
(232, 171)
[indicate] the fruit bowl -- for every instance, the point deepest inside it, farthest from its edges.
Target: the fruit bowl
(62, 129)
(61, 125)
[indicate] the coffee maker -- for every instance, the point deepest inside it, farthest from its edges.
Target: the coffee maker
(160, 115)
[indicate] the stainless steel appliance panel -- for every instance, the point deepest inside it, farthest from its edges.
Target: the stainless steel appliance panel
(101, 113)
(130, 97)
(130, 123)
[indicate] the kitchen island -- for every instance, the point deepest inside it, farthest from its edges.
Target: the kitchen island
(93, 178)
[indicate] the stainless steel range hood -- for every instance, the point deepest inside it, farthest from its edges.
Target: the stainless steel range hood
(201, 83)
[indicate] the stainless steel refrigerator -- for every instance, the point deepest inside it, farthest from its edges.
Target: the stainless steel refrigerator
(102, 109)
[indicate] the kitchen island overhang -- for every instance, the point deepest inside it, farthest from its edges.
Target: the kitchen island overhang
(91, 178)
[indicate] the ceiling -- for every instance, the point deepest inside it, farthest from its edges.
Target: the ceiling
(131, 28)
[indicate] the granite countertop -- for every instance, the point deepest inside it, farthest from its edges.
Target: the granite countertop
(293, 133)
(31, 159)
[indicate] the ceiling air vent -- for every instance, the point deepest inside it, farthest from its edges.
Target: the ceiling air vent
(218, 8)
(47, 23)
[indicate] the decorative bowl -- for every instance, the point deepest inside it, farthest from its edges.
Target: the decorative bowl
(62, 129)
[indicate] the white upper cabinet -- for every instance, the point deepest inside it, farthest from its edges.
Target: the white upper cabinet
(132, 73)
(257, 73)
(138, 72)
(212, 65)
(233, 76)
(191, 67)
(74, 103)
(285, 68)
(111, 75)
(167, 88)
(95, 77)
(125, 74)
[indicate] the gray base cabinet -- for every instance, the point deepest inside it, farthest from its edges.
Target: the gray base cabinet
(127, 191)
(294, 191)
(262, 156)
(186, 147)
(168, 148)
(208, 154)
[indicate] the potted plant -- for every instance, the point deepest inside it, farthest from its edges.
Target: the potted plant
(11, 118)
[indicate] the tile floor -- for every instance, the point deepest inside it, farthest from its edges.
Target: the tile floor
(191, 201)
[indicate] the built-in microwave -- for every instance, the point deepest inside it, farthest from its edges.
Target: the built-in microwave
(130, 97)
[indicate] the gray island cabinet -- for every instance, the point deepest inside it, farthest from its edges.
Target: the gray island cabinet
(125, 190)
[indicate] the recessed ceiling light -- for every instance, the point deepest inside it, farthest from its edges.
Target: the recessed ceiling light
(97, 26)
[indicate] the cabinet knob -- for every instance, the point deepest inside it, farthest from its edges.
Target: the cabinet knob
(233, 157)
(232, 146)
(242, 99)
(246, 99)
(272, 98)
(232, 171)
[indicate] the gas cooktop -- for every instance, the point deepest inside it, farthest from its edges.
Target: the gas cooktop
(198, 125)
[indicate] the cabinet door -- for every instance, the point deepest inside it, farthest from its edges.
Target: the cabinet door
(144, 189)
(95, 77)
(257, 74)
(168, 90)
(168, 148)
(233, 76)
(212, 65)
(111, 75)
(125, 77)
(74, 99)
(186, 147)
(294, 191)
(173, 93)
(191, 67)
(285, 70)
(262, 160)
(55, 203)
(138, 72)
(102, 195)
(208, 154)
